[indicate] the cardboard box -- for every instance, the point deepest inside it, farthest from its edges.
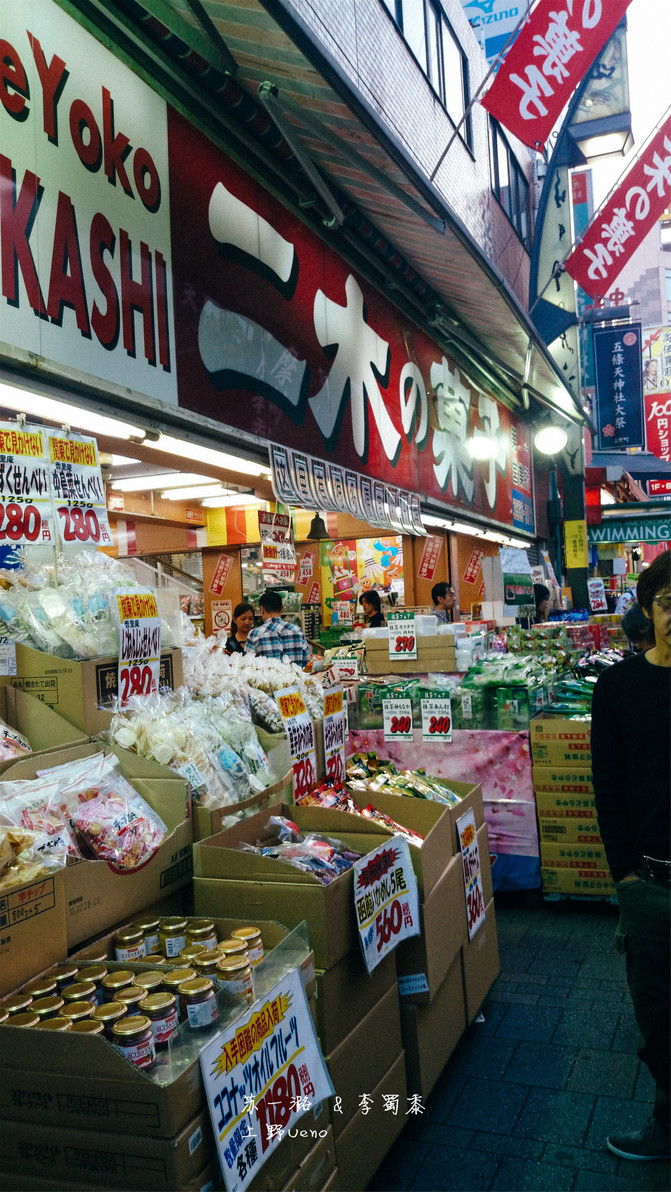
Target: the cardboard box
(424, 961)
(346, 992)
(485, 863)
(208, 821)
(557, 740)
(333, 1183)
(584, 882)
(112, 1160)
(366, 1139)
(574, 856)
(235, 883)
(207, 1180)
(567, 805)
(480, 963)
(44, 729)
(363, 1057)
(568, 830)
(96, 895)
(293, 1150)
(435, 652)
(431, 1033)
(33, 931)
(82, 692)
(566, 780)
(317, 1168)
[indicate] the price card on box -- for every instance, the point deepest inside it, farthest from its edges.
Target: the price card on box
(301, 733)
(402, 636)
(344, 669)
(139, 643)
(436, 718)
(597, 596)
(7, 656)
(397, 719)
(334, 734)
(386, 901)
(79, 492)
(262, 1074)
(470, 858)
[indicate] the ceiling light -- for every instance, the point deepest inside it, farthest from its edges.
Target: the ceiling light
(550, 439)
(64, 414)
(137, 484)
(197, 490)
(232, 499)
(206, 455)
(462, 528)
(441, 522)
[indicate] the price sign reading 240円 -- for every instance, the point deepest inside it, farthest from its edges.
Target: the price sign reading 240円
(397, 719)
(436, 718)
(385, 899)
(402, 636)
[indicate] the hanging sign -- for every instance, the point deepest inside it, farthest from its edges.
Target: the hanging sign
(26, 512)
(575, 543)
(79, 492)
(597, 596)
(221, 574)
(301, 733)
(334, 734)
(385, 900)
(306, 567)
(619, 387)
(261, 1075)
(278, 553)
(139, 643)
(402, 636)
(436, 718)
(397, 719)
(470, 859)
(430, 555)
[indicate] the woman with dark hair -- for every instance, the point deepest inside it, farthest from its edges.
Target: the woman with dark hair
(542, 602)
(243, 620)
(370, 603)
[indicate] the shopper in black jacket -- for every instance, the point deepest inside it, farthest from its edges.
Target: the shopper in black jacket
(631, 715)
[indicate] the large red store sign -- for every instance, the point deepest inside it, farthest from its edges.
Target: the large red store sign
(276, 336)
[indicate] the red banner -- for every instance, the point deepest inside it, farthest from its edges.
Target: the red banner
(543, 67)
(658, 423)
(429, 559)
(623, 223)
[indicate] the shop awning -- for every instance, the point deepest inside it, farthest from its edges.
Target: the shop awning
(358, 161)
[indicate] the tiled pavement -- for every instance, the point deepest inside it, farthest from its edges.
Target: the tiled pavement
(529, 1094)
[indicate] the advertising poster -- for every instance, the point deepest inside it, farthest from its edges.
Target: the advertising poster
(619, 387)
(334, 735)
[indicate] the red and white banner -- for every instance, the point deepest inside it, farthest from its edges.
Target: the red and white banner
(429, 559)
(543, 67)
(221, 574)
(623, 223)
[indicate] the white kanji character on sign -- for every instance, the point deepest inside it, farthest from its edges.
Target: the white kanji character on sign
(531, 87)
(361, 359)
(558, 46)
(601, 261)
(453, 407)
(660, 171)
(617, 231)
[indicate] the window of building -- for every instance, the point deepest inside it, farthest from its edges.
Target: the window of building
(510, 185)
(437, 51)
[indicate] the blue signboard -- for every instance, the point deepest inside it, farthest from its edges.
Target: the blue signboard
(619, 387)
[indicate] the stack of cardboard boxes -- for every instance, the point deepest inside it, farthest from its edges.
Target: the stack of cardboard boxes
(573, 860)
(435, 652)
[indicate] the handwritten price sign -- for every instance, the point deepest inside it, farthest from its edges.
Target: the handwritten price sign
(470, 858)
(139, 643)
(344, 669)
(385, 900)
(301, 735)
(436, 718)
(334, 735)
(402, 636)
(26, 514)
(397, 719)
(79, 492)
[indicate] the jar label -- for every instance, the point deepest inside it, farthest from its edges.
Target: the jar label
(208, 944)
(255, 953)
(162, 1028)
(152, 942)
(202, 1013)
(174, 944)
(132, 952)
(239, 987)
(142, 1054)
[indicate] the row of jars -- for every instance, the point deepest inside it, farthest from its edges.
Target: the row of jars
(169, 937)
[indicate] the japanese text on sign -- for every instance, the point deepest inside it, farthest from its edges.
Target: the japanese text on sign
(301, 735)
(25, 490)
(385, 900)
(597, 596)
(79, 492)
(334, 735)
(397, 719)
(139, 643)
(402, 636)
(470, 858)
(430, 555)
(221, 574)
(436, 718)
(261, 1075)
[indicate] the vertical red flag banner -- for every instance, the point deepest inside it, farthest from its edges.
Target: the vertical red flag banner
(625, 220)
(543, 67)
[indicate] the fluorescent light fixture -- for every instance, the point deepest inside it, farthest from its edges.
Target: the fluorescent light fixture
(550, 439)
(462, 528)
(138, 484)
(206, 455)
(194, 492)
(441, 522)
(231, 499)
(36, 406)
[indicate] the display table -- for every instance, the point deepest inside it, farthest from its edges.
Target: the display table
(501, 763)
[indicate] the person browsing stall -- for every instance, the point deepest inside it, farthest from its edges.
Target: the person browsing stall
(241, 624)
(631, 764)
(542, 602)
(276, 638)
(444, 601)
(370, 603)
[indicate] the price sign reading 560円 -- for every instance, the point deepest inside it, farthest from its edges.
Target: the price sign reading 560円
(385, 899)
(470, 857)
(402, 636)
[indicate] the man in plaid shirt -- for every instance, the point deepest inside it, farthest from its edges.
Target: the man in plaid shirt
(277, 638)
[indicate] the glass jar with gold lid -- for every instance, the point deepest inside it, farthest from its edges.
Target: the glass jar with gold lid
(151, 981)
(129, 944)
(17, 1003)
(131, 996)
(114, 981)
(206, 964)
(251, 936)
(64, 974)
(149, 926)
(23, 1019)
(47, 1007)
(41, 987)
(95, 973)
(232, 947)
(88, 1026)
(77, 1011)
(202, 931)
(189, 953)
(55, 1024)
(80, 991)
(134, 1038)
(198, 999)
(235, 975)
(108, 1014)
(172, 935)
(161, 1010)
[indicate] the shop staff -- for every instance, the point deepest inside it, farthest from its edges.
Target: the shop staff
(370, 603)
(631, 713)
(277, 638)
(242, 622)
(444, 601)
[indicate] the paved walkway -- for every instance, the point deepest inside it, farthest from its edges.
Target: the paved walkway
(529, 1094)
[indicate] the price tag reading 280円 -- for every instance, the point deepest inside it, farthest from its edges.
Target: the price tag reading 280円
(397, 719)
(402, 636)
